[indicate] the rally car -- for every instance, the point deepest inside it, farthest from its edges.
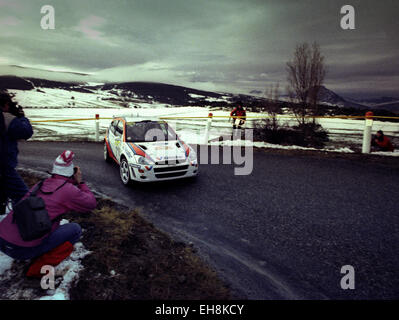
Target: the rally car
(148, 150)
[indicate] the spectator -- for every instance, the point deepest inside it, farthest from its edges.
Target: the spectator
(382, 142)
(14, 126)
(238, 115)
(3, 197)
(62, 192)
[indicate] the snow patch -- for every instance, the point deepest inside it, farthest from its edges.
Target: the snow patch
(69, 271)
(258, 144)
(196, 96)
(5, 263)
(386, 153)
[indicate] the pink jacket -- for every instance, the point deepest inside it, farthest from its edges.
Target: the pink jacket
(70, 197)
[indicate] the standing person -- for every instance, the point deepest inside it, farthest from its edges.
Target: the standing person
(64, 191)
(238, 115)
(382, 142)
(15, 126)
(3, 197)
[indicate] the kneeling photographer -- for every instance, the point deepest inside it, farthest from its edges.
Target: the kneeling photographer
(33, 230)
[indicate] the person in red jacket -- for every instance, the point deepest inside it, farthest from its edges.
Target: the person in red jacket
(64, 191)
(238, 115)
(382, 142)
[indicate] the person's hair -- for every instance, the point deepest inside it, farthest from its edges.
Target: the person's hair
(13, 108)
(380, 132)
(5, 98)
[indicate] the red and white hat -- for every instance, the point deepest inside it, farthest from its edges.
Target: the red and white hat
(63, 165)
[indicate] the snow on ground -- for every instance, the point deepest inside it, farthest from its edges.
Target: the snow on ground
(387, 154)
(69, 271)
(59, 98)
(64, 104)
(257, 144)
(66, 273)
(192, 130)
(54, 130)
(5, 263)
(193, 95)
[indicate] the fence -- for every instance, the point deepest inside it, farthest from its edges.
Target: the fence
(219, 122)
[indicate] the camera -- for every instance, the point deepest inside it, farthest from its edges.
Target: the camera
(16, 110)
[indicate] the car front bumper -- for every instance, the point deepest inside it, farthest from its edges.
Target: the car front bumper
(163, 172)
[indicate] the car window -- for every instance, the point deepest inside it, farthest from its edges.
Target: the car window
(148, 131)
(119, 128)
(112, 126)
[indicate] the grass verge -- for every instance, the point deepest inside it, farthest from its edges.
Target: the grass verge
(131, 259)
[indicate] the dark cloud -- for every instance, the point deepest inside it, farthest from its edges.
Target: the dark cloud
(225, 44)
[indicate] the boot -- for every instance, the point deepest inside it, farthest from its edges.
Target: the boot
(52, 258)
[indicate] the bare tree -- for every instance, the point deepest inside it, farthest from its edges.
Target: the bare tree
(306, 73)
(273, 107)
(267, 129)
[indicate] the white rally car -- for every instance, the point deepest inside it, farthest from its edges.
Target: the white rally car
(148, 150)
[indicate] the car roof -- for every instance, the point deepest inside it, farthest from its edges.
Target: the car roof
(137, 119)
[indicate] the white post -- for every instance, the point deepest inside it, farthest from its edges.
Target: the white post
(97, 127)
(208, 128)
(367, 132)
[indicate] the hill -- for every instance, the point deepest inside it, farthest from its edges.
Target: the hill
(164, 93)
(329, 97)
(126, 94)
(13, 82)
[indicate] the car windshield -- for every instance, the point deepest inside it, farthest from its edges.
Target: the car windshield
(146, 131)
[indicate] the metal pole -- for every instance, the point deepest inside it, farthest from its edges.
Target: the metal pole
(367, 132)
(208, 127)
(97, 127)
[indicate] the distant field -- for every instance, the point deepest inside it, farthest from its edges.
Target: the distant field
(342, 132)
(61, 103)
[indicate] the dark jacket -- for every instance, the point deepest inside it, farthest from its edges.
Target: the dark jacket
(16, 128)
(2, 141)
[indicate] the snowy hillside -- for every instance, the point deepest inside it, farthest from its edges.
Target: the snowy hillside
(329, 97)
(40, 93)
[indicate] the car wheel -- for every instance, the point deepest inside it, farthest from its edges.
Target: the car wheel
(124, 172)
(107, 158)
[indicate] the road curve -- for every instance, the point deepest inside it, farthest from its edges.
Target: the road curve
(283, 232)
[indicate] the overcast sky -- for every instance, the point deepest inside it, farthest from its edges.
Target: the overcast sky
(222, 45)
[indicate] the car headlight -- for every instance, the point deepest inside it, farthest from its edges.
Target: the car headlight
(144, 161)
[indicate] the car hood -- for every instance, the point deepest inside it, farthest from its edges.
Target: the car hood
(164, 150)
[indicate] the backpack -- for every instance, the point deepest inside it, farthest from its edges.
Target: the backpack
(31, 216)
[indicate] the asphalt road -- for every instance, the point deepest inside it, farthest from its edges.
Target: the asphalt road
(283, 232)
